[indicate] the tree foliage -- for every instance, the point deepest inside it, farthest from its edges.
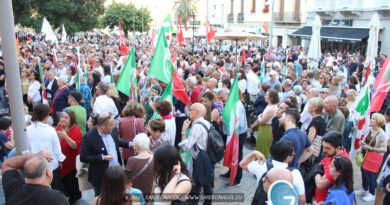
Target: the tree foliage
(184, 8)
(124, 12)
(76, 15)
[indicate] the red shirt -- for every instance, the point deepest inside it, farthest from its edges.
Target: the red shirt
(320, 195)
(195, 95)
(69, 164)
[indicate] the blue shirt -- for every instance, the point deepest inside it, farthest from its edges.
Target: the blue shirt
(300, 141)
(111, 148)
(137, 193)
(86, 92)
(339, 196)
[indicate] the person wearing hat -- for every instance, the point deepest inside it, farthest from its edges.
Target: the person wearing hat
(74, 99)
(272, 79)
(156, 91)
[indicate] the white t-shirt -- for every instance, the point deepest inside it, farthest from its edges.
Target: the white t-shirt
(259, 169)
(158, 191)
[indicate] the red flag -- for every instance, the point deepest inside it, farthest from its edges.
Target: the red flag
(180, 36)
(54, 59)
(178, 89)
(367, 72)
(243, 57)
(382, 86)
(123, 42)
(210, 32)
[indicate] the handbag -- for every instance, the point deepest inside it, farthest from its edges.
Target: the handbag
(317, 145)
(372, 162)
(359, 159)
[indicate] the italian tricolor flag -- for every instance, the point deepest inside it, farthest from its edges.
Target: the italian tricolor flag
(381, 86)
(127, 82)
(360, 112)
(166, 96)
(44, 96)
(231, 116)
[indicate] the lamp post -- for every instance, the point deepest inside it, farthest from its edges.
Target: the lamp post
(133, 24)
(272, 24)
(193, 32)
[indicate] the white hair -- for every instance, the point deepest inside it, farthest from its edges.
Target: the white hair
(192, 80)
(142, 140)
(63, 79)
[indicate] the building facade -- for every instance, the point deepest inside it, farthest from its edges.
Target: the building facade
(345, 24)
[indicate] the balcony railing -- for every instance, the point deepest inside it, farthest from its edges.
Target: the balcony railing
(230, 18)
(288, 17)
(240, 17)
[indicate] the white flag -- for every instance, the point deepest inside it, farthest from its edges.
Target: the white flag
(48, 31)
(63, 35)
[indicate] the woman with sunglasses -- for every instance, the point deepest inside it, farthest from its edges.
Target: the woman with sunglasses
(342, 192)
(70, 140)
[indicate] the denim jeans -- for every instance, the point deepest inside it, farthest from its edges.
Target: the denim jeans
(369, 182)
(2, 97)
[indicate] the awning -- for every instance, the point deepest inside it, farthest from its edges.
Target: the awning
(334, 34)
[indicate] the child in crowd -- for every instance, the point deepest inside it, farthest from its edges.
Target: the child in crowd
(136, 194)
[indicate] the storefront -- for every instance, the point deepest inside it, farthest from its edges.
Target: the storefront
(340, 38)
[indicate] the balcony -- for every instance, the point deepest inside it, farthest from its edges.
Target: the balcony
(230, 18)
(288, 17)
(240, 17)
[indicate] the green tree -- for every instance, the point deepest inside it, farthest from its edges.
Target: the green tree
(76, 15)
(124, 12)
(184, 8)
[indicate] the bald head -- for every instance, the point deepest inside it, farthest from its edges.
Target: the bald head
(212, 83)
(276, 174)
(35, 167)
(331, 103)
(198, 110)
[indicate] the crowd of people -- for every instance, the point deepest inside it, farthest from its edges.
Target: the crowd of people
(298, 119)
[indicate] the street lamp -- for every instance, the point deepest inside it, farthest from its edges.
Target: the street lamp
(133, 24)
(193, 32)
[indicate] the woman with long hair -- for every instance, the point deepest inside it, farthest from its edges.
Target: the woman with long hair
(44, 137)
(263, 123)
(171, 174)
(70, 140)
(113, 188)
(131, 124)
(33, 94)
(342, 192)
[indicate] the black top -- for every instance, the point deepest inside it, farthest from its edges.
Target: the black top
(320, 125)
(16, 191)
(277, 132)
(2, 72)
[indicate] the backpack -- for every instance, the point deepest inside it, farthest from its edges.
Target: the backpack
(261, 197)
(215, 144)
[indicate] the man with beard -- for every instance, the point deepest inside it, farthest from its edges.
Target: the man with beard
(302, 143)
(277, 132)
(332, 144)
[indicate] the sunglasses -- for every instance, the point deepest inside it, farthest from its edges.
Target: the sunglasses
(67, 111)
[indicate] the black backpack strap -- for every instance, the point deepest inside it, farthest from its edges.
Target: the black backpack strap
(269, 165)
(203, 125)
(207, 130)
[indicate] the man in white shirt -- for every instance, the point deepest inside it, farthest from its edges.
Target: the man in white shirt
(282, 154)
(104, 104)
(253, 83)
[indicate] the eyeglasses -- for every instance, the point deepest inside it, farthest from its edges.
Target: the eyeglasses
(323, 92)
(105, 119)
